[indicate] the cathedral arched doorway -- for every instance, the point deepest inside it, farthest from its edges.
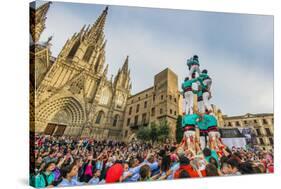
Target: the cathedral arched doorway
(60, 114)
(58, 123)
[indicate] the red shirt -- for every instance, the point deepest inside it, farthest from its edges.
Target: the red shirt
(188, 168)
(270, 169)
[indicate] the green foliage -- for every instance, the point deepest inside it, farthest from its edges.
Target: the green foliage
(164, 131)
(155, 132)
(179, 132)
(143, 133)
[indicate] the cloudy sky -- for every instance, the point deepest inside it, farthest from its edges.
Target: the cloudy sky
(237, 49)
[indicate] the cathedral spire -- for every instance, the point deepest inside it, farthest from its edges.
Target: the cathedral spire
(37, 20)
(96, 31)
(125, 66)
(122, 78)
(83, 28)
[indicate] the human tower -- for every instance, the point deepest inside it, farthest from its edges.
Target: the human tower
(198, 117)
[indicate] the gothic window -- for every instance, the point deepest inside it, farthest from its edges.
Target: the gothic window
(105, 96)
(100, 117)
(271, 141)
(145, 104)
(130, 110)
(152, 111)
(261, 141)
(128, 121)
(138, 107)
(88, 53)
(97, 63)
(143, 118)
(136, 119)
(267, 130)
(115, 120)
(120, 100)
(258, 132)
(74, 49)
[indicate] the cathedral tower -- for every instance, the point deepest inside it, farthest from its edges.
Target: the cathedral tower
(37, 20)
(75, 96)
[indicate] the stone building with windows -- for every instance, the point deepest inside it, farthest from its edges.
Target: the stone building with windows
(71, 94)
(261, 124)
(155, 104)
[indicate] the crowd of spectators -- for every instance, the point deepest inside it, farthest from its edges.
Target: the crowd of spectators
(67, 161)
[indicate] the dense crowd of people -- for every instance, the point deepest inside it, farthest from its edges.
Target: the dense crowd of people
(66, 161)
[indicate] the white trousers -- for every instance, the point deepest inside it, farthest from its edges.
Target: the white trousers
(214, 134)
(189, 134)
(206, 102)
(188, 98)
(194, 68)
(201, 107)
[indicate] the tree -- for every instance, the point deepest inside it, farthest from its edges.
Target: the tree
(154, 132)
(143, 133)
(179, 131)
(164, 131)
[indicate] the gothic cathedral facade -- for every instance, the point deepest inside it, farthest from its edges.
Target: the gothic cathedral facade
(71, 94)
